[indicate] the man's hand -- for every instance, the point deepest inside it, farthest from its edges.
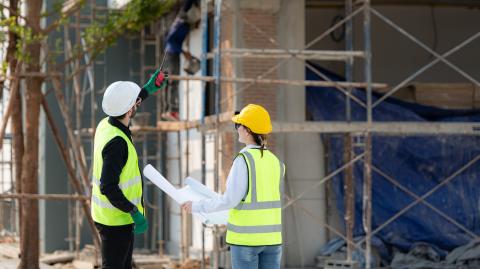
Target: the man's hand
(187, 206)
(157, 81)
(141, 224)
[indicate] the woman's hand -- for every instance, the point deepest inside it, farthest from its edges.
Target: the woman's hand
(187, 207)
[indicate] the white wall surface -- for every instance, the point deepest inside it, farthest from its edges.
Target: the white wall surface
(190, 108)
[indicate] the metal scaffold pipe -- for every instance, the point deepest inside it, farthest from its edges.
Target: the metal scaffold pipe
(281, 81)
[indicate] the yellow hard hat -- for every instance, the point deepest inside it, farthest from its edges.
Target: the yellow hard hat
(256, 118)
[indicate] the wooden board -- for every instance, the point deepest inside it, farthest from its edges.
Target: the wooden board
(57, 258)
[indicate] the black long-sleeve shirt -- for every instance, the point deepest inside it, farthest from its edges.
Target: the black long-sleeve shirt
(115, 155)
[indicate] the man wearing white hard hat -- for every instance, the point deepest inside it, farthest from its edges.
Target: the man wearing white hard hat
(117, 196)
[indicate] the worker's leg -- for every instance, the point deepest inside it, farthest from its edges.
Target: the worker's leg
(129, 261)
(117, 245)
(172, 63)
(245, 257)
(270, 257)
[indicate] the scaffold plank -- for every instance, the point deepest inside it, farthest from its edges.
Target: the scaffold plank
(282, 81)
(382, 128)
(327, 127)
(328, 55)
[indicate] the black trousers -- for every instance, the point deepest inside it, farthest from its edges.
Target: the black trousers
(117, 246)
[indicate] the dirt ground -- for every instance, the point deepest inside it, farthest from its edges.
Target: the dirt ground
(85, 259)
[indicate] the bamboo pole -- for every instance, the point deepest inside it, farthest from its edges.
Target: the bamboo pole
(349, 187)
(77, 150)
(8, 111)
(71, 172)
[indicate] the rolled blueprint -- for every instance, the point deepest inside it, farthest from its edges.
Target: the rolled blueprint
(193, 191)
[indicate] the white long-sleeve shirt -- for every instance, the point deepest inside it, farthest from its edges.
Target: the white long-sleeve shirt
(237, 187)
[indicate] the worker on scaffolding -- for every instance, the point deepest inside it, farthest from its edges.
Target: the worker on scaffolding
(253, 195)
(117, 188)
(187, 19)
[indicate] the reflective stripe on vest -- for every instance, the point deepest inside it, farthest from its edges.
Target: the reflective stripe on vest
(256, 221)
(130, 181)
(106, 204)
(122, 186)
(255, 229)
(254, 204)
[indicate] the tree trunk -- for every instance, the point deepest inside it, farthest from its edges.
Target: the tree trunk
(16, 117)
(33, 97)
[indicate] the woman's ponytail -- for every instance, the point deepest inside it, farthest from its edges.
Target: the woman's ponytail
(261, 140)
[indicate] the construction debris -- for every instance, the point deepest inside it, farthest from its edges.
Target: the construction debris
(190, 264)
(13, 264)
(87, 259)
(58, 257)
(9, 251)
(150, 261)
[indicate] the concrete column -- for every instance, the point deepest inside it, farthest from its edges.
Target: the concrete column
(303, 154)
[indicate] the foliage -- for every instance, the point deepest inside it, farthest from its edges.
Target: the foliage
(136, 14)
(98, 36)
(25, 37)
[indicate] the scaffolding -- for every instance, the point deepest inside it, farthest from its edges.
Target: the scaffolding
(357, 135)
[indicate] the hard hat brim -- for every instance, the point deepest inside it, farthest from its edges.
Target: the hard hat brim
(236, 119)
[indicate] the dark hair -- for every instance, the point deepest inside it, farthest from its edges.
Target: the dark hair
(260, 139)
(121, 117)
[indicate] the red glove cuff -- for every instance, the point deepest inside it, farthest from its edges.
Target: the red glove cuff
(159, 79)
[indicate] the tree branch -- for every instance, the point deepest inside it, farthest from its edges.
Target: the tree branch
(16, 13)
(6, 117)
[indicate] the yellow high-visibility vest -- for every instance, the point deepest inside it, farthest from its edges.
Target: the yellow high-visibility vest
(257, 220)
(130, 179)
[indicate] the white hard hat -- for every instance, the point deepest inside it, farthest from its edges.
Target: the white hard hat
(120, 97)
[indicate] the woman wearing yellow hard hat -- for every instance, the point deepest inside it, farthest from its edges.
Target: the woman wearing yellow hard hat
(253, 195)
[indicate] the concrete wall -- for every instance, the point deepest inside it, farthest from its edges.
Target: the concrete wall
(303, 153)
(394, 56)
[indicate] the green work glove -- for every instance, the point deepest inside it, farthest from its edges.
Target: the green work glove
(140, 221)
(156, 82)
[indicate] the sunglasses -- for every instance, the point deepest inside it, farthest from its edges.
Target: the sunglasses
(138, 101)
(237, 125)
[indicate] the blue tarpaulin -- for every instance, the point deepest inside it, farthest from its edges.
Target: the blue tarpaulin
(419, 163)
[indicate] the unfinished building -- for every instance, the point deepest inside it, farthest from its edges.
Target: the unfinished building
(375, 115)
